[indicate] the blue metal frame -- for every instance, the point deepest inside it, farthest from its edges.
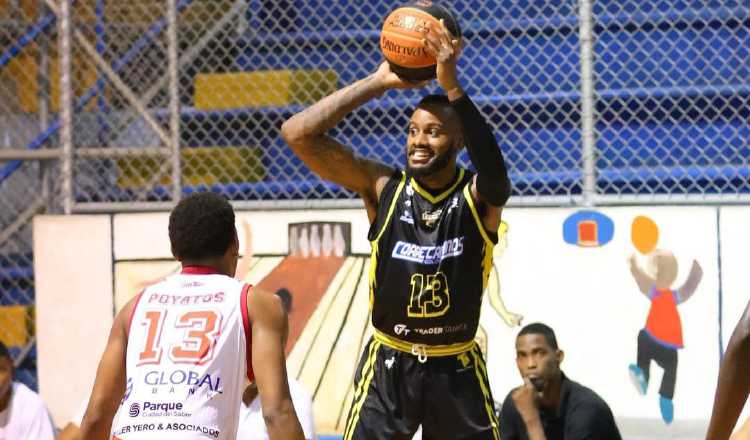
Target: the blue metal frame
(94, 90)
(31, 33)
(101, 101)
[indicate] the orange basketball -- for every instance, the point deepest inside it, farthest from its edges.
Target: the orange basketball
(401, 38)
(644, 234)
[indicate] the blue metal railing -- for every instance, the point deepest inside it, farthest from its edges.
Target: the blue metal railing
(153, 30)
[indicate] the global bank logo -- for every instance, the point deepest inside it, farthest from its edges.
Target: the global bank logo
(179, 379)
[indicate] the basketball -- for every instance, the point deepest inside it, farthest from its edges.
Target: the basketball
(401, 38)
(644, 234)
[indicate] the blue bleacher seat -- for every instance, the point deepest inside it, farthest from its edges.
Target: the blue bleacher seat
(660, 74)
(671, 81)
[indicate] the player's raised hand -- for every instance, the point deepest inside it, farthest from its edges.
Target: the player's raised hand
(440, 43)
(389, 80)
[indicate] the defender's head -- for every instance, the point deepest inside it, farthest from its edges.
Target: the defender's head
(202, 232)
(434, 138)
(537, 356)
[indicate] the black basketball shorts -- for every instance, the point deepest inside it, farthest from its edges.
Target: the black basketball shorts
(394, 393)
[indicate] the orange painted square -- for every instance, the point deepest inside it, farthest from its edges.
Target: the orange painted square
(588, 232)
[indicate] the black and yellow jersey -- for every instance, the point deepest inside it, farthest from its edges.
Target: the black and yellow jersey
(430, 261)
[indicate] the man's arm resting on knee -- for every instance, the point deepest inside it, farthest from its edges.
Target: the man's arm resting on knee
(592, 422)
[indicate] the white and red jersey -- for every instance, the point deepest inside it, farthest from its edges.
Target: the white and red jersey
(187, 358)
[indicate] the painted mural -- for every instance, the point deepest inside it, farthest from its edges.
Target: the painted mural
(329, 321)
(609, 285)
(661, 338)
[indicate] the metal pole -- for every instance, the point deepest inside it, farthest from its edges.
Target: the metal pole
(43, 93)
(101, 101)
(42, 76)
(117, 82)
(66, 109)
(174, 100)
(91, 92)
(588, 138)
(189, 55)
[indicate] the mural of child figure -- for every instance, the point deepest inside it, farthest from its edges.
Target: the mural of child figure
(494, 292)
(511, 319)
(662, 336)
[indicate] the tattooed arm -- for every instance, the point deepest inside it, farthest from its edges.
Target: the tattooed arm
(305, 132)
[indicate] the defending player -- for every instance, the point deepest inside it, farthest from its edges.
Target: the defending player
(433, 228)
(178, 352)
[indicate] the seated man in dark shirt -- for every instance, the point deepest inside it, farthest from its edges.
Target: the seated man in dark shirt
(549, 405)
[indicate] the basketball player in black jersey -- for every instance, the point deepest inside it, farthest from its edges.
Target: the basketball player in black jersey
(433, 227)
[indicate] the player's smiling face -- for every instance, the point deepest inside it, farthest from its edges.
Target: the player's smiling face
(432, 141)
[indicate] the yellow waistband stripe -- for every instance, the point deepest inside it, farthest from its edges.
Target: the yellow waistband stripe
(422, 349)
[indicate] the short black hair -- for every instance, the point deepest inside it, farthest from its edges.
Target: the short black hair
(4, 352)
(441, 102)
(433, 99)
(286, 298)
(201, 226)
(537, 328)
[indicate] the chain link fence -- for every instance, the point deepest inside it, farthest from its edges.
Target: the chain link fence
(29, 98)
(672, 99)
(592, 103)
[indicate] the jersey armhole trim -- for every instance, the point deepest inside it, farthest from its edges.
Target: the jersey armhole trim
(475, 214)
(392, 208)
(248, 331)
(132, 312)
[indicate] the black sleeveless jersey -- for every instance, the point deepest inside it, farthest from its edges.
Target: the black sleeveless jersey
(431, 258)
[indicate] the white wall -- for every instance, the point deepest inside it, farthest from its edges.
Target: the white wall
(73, 271)
(586, 294)
(589, 297)
(735, 244)
(735, 273)
(145, 236)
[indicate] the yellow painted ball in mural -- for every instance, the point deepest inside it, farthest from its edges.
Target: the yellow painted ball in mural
(644, 234)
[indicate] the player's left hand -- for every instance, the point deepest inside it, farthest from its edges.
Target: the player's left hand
(446, 48)
(389, 80)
